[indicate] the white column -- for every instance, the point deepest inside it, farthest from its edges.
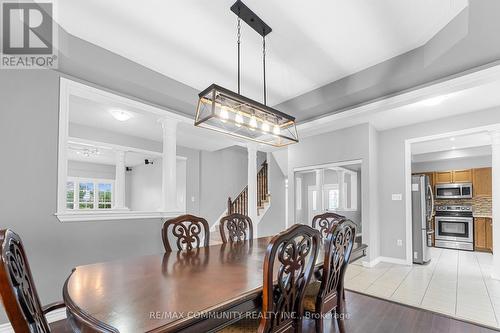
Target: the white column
(320, 180)
(495, 183)
(252, 181)
(342, 189)
(119, 190)
(169, 165)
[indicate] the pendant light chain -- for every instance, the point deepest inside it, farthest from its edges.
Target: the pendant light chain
(239, 41)
(264, 66)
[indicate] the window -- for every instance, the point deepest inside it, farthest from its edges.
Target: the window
(87, 198)
(104, 199)
(333, 199)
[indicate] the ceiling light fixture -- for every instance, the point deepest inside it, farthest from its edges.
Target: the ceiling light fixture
(433, 101)
(120, 115)
(452, 139)
(225, 111)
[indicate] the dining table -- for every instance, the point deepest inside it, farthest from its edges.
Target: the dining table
(201, 290)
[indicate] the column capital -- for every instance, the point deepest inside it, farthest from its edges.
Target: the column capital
(251, 147)
(167, 122)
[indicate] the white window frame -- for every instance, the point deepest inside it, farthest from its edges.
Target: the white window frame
(96, 182)
(72, 88)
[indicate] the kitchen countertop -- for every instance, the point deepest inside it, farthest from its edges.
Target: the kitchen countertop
(481, 215)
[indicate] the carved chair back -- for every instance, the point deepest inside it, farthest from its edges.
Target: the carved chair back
(239, 228)
(338, 247)
(325, 222)
(189, 232)
(17, 289)
(290, 259)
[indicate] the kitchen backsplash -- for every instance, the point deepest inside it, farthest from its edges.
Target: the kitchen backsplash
(481, 205)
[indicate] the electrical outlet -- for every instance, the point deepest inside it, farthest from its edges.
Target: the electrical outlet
(415, 255)
(400, 242)
(193, 199)
(397, 197)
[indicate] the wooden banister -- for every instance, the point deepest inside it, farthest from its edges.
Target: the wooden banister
(240, 203)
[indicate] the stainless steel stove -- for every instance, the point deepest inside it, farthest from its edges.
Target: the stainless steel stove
(454, 227)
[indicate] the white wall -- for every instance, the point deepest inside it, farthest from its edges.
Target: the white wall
(146, 182)
(452, 164)
(90, 170)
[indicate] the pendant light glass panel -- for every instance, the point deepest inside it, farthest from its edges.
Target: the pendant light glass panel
(225, 111)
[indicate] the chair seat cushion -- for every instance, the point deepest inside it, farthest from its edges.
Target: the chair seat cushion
(311, 294)
(244, 325)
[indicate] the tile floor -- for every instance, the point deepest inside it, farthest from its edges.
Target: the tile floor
(455, 283)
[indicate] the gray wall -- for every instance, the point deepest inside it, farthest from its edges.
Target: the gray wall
(391, 175)
(453, 164)
(223, 174)
(354, 143)
(29, 137)
(29, 110)
(274, 220)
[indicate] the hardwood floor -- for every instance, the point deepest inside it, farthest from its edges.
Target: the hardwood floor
(370, 314)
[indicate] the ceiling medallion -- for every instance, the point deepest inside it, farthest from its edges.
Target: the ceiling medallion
(225, 111)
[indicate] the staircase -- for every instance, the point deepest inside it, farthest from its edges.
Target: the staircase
(240, 203)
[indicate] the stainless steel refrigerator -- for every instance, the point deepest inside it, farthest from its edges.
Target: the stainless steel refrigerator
(422, 213)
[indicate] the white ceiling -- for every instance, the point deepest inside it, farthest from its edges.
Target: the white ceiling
(452, 143)
(143, 124)
(408, 108)
(105, 155)
(313, 42)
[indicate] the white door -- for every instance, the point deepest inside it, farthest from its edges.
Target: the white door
(331, 197)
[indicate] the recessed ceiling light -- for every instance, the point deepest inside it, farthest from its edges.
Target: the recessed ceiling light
(453, 148)
(433, 101)
(452, 139)
(121, 115)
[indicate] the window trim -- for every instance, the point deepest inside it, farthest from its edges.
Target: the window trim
(96, 182)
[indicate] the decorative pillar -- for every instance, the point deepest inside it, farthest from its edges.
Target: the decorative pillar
(169, 165)
(495, 183)
(320, 180)
(119, 190)
(252, 181)
(342, 189)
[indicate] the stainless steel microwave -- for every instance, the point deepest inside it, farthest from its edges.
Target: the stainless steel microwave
(454, 191)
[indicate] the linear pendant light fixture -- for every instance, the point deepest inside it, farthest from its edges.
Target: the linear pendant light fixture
(225, 111)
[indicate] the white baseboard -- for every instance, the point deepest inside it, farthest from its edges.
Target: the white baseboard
(379, 259)
(53, 316)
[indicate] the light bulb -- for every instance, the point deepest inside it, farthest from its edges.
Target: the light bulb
(224, 114)
(238, 119)
(276, 130)
(265, 127)
(253, 123)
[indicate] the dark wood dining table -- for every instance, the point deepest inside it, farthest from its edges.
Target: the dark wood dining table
(186, 291)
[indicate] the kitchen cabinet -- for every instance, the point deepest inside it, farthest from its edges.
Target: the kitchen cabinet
(481, 181)
(455, 176)
(462, 176)
(443, 177)
(483, 238)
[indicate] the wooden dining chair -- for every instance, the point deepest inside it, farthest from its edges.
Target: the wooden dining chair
(187, 230)
(326, 296)
(239, 228)
(324, 222)
(289, 261)
(18, 292)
